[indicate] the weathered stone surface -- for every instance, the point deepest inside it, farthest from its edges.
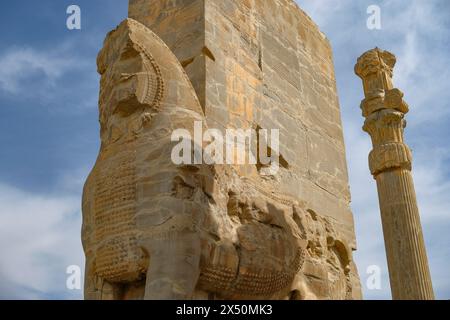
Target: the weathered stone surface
(219, 231)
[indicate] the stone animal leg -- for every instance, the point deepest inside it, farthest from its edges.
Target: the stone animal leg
(174, 267)
(91, 289)
(96, 288)
(110, 291)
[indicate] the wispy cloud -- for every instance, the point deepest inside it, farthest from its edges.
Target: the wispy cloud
(51, 77)
(19, 64)
(39, 238)
(421, 30)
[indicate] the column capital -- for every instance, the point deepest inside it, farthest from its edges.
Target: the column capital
(384, 110)
(375, 68)
(374, 61)
(386, 127)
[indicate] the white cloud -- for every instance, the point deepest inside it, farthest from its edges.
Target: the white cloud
(422, 54)
(39, 238)
(432, 186)
(19, 64)
(73, 181)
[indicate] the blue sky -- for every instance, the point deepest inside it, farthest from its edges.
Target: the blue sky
(49, 130)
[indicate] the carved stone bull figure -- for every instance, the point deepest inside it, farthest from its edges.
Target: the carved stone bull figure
(156, 230)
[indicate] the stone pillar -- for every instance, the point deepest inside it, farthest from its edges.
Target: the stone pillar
(390, 164)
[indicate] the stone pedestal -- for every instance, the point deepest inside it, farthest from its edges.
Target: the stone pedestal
(390, 164)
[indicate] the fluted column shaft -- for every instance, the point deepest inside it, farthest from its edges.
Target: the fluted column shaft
(405, 248)
(390, 164)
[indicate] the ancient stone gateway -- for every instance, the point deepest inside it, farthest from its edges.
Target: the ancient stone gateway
(156, 230)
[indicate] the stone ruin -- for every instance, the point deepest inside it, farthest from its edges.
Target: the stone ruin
(156, 230)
